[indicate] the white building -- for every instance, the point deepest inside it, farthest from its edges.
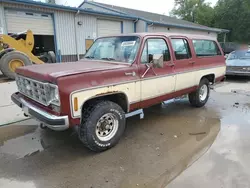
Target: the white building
(152, 22)
(69, 31)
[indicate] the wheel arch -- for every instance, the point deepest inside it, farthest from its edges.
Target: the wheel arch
(119, 98)
(210, 77)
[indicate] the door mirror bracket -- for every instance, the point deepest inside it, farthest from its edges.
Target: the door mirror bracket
(157, 61)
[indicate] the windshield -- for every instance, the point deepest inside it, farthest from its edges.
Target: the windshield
(122, 49)
(242, 54)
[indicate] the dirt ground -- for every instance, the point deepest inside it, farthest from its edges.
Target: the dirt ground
(175, 145)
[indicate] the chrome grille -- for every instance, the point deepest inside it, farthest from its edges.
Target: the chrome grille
(33, 89)
(238, 68)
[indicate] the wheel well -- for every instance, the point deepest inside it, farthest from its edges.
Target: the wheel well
(118, 98)
(210, 77)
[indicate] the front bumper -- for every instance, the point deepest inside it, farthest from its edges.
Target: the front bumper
(57, 123)
(237, 73)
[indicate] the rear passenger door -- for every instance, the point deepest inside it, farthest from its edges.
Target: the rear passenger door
(184, 64)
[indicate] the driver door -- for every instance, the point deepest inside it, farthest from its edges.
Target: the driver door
(157, 83)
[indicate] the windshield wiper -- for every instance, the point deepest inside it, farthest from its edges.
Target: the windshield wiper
(107, 58)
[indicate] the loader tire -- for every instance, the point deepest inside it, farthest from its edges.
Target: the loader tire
(48, 57)
(52, 56)
(11, 61)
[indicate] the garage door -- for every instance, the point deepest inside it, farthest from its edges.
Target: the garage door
(19, 21)
(108, 27)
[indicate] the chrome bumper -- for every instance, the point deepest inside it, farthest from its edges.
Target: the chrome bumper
(57, 123)
(237, 73)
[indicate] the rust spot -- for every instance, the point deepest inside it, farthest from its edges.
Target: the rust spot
(106, 93)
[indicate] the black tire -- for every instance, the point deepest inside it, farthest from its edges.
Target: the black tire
(6, 59)
(195, 99)
(48, 57)
(52, 56)
(88, 130)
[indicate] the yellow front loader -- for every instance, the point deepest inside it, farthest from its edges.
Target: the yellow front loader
(17, 53)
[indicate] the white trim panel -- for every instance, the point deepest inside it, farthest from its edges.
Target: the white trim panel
(217, 71)
(151, 88)
(132, 90)
(146, 88)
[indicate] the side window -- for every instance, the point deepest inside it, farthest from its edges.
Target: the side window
(181, 49)
(206, 48)
(152, 47)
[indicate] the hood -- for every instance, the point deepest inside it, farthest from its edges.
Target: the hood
(50, 72)
(238, 62)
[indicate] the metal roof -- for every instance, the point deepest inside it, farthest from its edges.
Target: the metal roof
(68, 8)
(154, 18)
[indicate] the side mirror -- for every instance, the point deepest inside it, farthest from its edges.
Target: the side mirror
(158, 60)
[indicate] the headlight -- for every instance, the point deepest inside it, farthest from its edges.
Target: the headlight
(54, 95)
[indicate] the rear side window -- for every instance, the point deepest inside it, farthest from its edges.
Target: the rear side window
(181, 49)
(206, 48)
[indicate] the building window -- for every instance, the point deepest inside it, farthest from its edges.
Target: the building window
(181, 49)
(206, 48)
(153, 47)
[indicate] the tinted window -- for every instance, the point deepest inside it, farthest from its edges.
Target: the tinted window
(181, 49)
(206, 48)
(152, 47)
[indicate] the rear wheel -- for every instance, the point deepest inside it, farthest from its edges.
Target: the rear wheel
(200, 97)
(11, 61)
(102, 126)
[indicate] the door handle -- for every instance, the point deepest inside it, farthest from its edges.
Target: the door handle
(130, 73)
(191, 62)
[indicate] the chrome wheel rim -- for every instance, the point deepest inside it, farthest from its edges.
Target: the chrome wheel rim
(203, 92)
(107, 127)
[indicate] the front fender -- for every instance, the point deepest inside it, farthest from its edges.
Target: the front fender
(112, 96)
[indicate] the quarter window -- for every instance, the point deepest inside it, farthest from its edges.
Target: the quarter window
(206, 48)
(153, 47)
(181, 49)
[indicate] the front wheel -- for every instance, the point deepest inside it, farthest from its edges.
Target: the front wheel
(200, 97)
(102, 126)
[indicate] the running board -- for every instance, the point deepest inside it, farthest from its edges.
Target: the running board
(134, 113)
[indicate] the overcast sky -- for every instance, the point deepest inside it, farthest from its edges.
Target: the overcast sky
(157, 6)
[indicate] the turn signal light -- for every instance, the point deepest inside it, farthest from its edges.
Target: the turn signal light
(75, 104)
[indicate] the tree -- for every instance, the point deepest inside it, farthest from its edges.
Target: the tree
(194, 10)
(234, 16)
